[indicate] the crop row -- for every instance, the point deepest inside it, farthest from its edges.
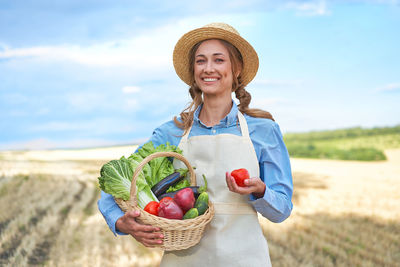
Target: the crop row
(323, 240)
(25, 235)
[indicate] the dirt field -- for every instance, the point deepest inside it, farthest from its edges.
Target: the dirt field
(345, 214)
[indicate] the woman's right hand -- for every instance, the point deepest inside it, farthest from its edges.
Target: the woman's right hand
(148, 235)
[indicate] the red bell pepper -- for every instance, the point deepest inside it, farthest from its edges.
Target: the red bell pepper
(240, 176)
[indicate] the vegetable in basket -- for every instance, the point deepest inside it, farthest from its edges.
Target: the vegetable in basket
(115, 179)
(152, 207)
(185, 199)
(157, 168)
(191, 214)
(172, 179)
(169, 209)
(202, 203)
(197, 190)
(116, 175)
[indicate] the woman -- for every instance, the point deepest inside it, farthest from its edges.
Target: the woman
(217, 136)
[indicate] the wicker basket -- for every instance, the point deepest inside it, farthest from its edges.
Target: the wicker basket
(178, 234)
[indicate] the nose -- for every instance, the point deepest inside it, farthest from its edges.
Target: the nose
(209, 68)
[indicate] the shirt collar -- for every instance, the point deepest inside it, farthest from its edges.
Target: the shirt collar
(230, 119)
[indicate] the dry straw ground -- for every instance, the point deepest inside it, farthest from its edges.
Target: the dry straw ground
(346, 213)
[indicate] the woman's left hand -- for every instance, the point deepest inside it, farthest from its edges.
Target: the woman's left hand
(253, 186)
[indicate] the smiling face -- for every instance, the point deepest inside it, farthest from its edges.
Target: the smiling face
(213, 68)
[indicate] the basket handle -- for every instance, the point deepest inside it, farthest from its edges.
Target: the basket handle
(153, 156)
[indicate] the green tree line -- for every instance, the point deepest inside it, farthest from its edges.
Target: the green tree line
(344, 144)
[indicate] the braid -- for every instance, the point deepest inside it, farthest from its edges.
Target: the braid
(244, 98)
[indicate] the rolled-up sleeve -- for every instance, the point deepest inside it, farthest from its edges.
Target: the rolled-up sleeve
(110, 211)
(275, 170)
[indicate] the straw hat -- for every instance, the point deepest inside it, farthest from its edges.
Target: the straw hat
(214, 31)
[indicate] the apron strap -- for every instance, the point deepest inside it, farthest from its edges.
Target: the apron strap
(243, 125)
(242, 122)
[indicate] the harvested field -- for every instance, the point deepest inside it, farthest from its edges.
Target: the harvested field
(346, 213)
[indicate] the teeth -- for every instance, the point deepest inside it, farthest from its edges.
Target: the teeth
(210, 79)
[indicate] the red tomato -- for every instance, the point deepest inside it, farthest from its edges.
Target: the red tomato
(152, 207)
(240, 175)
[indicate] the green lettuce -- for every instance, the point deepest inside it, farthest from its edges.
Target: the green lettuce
(115, 179)
(157, 168)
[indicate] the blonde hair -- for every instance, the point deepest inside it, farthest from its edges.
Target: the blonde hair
(241, 94)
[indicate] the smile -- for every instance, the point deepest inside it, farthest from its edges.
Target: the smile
(210, 79)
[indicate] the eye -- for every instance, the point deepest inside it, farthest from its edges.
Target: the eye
(200, 61)
(219, 60)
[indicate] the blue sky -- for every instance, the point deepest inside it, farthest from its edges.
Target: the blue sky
(92, 73)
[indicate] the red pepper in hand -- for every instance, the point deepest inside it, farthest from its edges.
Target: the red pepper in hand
(240, 175)
(152, 207)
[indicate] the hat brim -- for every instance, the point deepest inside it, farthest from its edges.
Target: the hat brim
(187, 41)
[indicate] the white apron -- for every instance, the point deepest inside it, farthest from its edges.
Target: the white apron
(234, 236)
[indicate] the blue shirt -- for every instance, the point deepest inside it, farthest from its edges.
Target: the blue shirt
(276, 204)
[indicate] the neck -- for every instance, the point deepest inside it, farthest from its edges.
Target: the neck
(215, 109)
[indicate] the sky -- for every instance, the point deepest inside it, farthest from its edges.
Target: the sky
(98, 73)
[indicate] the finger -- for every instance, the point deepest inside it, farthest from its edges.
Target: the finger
(255, 184)
(146, 235)
(132, 214)
(232, 184)
(249, 182)
(228, 180)
(239, 189)
(242, 190)
(252, 181)
(137, 227)
(151, 242)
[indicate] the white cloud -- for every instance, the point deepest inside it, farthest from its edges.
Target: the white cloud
(147, 51)
(131, 89)
(391, 87)
(309, 8)
(129, 53)
(44, 143)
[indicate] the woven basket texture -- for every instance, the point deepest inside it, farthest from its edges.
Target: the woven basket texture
(178, 234)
